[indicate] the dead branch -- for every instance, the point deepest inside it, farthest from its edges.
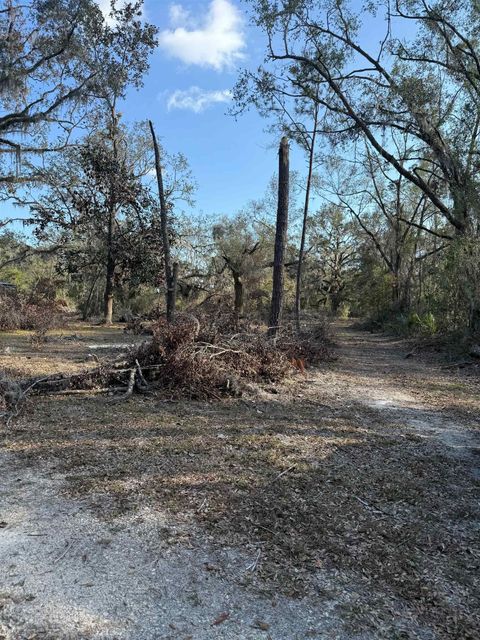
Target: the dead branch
(131, 385)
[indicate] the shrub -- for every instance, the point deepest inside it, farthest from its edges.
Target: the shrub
(424, 324)
(18, 313)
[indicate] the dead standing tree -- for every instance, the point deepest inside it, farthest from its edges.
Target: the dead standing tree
(280, 238)
(171, 270)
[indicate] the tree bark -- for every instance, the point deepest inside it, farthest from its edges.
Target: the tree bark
(86, 305)
(110, 272)
(301, 253)
(238, 296)
(169, 276)
(280, 238)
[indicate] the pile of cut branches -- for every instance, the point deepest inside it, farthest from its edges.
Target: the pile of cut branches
(177, 358)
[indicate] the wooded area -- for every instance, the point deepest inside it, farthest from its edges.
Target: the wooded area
(391, 151)
(118, 297)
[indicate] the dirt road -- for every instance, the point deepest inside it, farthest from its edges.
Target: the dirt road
(340, 506)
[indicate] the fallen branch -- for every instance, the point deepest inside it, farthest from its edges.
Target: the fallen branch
(131, 385)
(375, 509)
(20, 401)
(142, 384)
(460, 365)
(281, 475)
(73, 392)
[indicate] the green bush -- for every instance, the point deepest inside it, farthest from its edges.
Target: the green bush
(425, 324)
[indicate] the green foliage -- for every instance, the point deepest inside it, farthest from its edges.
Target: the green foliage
(58, 60)
(425, 325)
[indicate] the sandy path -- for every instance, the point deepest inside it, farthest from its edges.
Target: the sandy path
(436, 403)
(66, 574)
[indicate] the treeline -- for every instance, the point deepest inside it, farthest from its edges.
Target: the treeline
(384, 220)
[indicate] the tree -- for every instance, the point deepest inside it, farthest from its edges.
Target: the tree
(427, 87)
(333, 255)
(170, 269)
(241, 251)
(280, 237)
(48, 83)
(98, 206)
(298, 117)
(394, 215)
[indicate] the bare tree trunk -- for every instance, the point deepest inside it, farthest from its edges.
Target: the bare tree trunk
(238, 299)
(86, 305)
(280, 238)
(110, 272)
(301, 253)
(169, 284)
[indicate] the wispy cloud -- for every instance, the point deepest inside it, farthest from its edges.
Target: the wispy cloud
(197, 100)
(216, 40)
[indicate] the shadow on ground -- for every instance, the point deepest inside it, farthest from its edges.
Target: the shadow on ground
(347, 490)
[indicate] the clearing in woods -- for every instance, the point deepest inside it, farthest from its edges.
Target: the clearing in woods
(340, 505)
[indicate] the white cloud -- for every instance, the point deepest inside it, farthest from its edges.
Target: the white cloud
(215, 41)
(179, 17)
(105, 8)
(196, 100)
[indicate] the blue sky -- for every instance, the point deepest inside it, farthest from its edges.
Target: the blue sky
(202, 44)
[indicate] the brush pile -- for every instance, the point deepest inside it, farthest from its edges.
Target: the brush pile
(20, 312)
(197, 360)
(187, 359)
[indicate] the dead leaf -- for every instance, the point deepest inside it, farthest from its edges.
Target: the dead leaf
(263, 626)
(221, 618)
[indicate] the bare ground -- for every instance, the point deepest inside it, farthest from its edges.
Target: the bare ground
(343, 505)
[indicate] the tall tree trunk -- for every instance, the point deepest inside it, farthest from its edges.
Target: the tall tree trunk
(280, 238)
(108, 298)
(238, 296)
(110, 271)
(169, 279)
(173, 292)
(301, 253)
(86, 305)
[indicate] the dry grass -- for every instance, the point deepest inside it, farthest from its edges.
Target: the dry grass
(66, 349)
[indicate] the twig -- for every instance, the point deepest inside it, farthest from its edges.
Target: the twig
(220, 353)
(19, 403)
(374, 509)
(464, 363)
(280, 475)
(60, 557)
(254, 564)
(72, 392)
(129, 391)
(140, 373)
